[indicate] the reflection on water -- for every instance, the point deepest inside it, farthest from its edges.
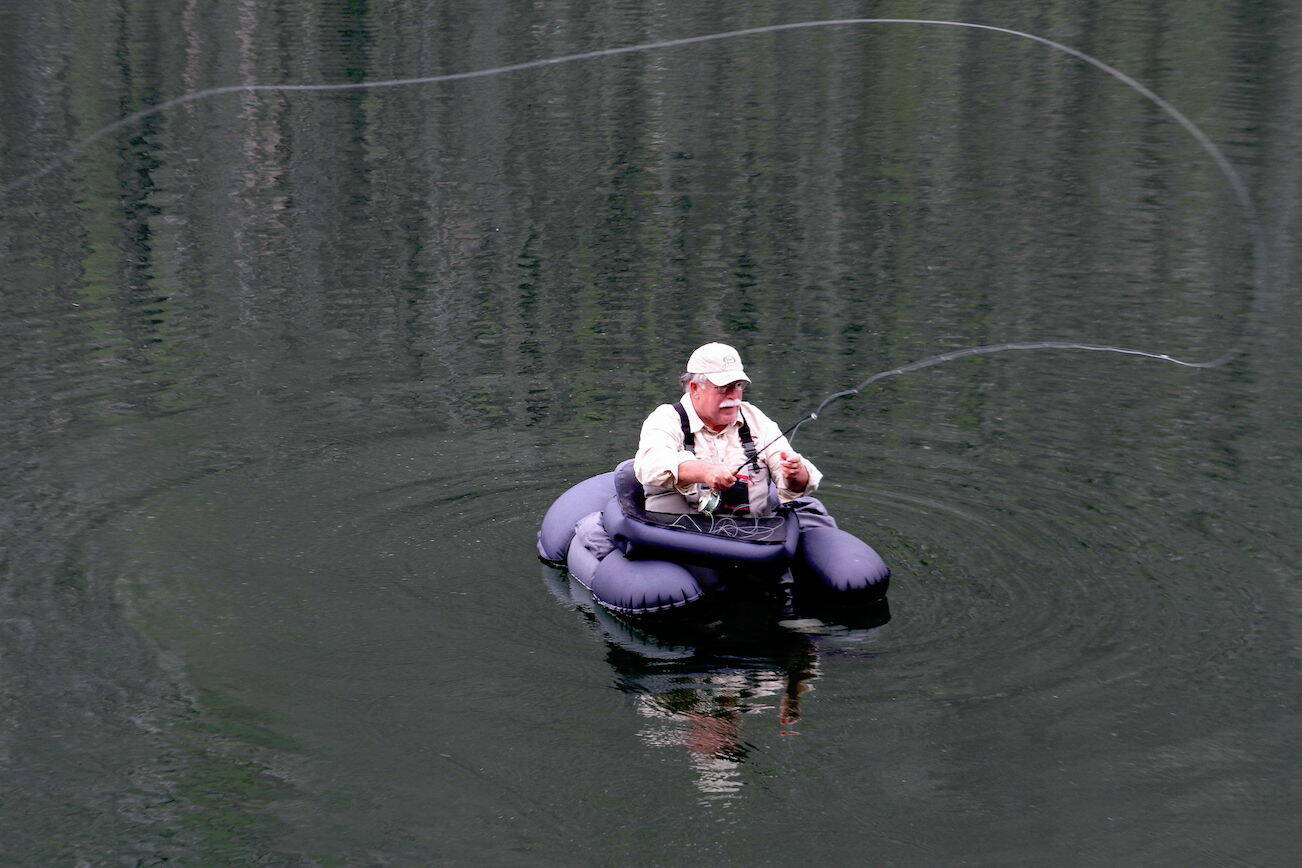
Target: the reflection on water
(705, 713)
(701, 681)
(706, 708)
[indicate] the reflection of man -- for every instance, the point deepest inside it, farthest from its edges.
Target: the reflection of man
(705, 712)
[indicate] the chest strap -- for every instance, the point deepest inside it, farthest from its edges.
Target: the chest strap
(747, 441)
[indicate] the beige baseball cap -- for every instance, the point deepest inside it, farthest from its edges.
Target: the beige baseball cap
(720, 363)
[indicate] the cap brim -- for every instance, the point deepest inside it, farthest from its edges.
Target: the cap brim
(723, 378)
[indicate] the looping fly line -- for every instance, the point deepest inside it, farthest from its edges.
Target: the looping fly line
(1236, 184)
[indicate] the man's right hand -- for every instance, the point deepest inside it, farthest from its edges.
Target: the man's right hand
(719, 477)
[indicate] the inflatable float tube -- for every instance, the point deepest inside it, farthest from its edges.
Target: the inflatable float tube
(665, 562)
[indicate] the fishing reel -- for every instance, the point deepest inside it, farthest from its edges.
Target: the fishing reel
(734, 500)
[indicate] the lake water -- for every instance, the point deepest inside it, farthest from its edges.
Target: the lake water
(290, 379)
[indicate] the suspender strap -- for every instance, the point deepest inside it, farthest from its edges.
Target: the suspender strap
(748, 442)
(689, 439)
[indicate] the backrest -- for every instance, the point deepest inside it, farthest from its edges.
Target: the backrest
(629, 492)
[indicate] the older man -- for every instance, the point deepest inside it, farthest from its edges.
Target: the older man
(700, 444)
(696, 448)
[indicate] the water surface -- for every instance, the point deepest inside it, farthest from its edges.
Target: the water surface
(290, 380)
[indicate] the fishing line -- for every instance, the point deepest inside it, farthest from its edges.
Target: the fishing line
(790, 431)
(1236, 184)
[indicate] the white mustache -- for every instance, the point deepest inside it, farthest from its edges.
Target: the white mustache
(726, 405)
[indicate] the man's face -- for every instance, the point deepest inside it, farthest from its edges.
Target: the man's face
(717, 406)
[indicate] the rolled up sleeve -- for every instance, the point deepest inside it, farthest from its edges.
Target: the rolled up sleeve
(660, 451)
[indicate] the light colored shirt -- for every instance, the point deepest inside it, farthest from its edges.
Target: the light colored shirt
(661, 450)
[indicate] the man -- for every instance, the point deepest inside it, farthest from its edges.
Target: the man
(697, 446)
(693, 448)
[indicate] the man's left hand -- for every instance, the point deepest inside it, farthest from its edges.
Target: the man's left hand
(794, 472)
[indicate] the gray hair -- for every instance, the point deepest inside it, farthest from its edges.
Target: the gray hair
(685, 380)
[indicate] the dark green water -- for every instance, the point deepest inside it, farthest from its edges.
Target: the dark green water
(290, 379)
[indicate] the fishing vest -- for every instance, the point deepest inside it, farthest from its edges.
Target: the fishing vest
(762, 494)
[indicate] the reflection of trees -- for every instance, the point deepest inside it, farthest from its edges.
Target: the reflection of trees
(491, 252)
